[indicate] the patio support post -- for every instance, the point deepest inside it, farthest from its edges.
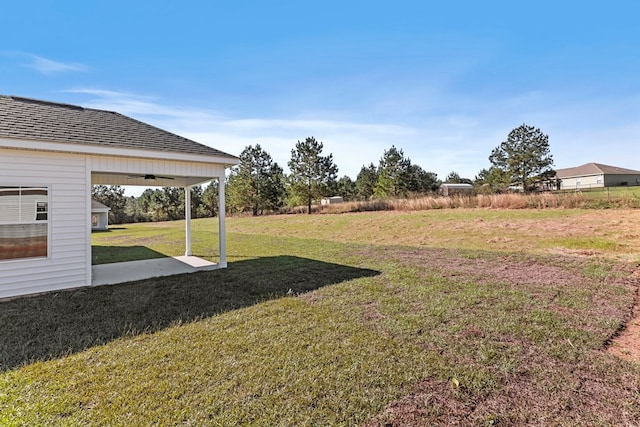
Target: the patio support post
(222, 240)
(187, 220)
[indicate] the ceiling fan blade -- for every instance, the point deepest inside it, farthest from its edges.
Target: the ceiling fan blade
(150, 177)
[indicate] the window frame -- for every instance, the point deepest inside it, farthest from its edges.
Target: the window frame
(47, 212)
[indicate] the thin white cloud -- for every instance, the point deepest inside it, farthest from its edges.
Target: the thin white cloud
(352, 143)
(139, 105)
(458, 141)
(49, 66)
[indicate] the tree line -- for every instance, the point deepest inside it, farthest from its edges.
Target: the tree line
(258, 185)
(160, 204)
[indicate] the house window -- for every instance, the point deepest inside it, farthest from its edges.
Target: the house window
(24, 222)
(94, 221)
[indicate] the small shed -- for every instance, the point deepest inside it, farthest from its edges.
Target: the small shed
(99, 216)
(331, 200)
(450, 189)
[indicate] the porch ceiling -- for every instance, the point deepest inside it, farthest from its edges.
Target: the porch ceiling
(147, 179)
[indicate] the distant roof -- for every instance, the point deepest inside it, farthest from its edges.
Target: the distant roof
(97, 205)
(24, 118)
(594, 169)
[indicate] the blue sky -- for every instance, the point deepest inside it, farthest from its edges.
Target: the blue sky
(444, 81)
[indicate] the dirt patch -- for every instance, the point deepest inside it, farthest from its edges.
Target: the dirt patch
(583, 389)
(573, 252)
(543, 277)
(437, 402)
(627, 344)
(502, 268)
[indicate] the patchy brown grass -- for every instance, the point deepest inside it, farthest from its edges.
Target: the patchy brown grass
(596, 233)
(443, 317)
(627, 343)
(587, 387)
(523, 401)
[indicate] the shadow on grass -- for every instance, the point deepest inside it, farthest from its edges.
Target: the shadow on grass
(56, 324)
(110, 254)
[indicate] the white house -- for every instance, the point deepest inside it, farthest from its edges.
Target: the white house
(50, 156)
(596, 175)
(99, 216)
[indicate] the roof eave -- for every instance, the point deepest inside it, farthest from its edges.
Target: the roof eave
(98, 150)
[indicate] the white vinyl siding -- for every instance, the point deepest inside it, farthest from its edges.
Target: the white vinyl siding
(582, 182)
(65, 179)
(68, 178)
(599, 181)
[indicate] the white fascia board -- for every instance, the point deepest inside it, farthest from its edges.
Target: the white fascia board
(97, 150)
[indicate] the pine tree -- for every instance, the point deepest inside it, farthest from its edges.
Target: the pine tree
(393, 174)
(524, 157)
(256, 184)
(311, 173)
(366, 182)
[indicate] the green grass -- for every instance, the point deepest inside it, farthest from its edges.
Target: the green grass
(154, 240)
(612, 197)
(612, 192)
(379, 318)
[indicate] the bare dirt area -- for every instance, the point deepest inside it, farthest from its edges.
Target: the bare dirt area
(619, 226)
(627, 344)
(521, 402)
(542, 388)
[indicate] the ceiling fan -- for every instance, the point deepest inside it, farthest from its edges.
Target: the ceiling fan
(151, 177)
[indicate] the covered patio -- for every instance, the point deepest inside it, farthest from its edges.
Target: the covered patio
(121, 272)
(161, 173)
(57, 152)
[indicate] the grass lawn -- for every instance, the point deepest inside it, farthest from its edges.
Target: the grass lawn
(468, 317)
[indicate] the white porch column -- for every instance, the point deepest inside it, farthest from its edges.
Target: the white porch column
(222, 234)
(87, 217)
(187, 220)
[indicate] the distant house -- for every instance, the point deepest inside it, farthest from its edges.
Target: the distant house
(331, 200)
(99, 216)
(596, 175)
(450, 189)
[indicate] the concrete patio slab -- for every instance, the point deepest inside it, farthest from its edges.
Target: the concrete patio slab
(109, 274)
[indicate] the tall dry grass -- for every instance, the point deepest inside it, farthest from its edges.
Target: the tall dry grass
(560, 200)
(490, 201)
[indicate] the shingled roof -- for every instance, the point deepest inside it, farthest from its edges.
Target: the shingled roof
(31, 119)
(95, 205)
(594, 169)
